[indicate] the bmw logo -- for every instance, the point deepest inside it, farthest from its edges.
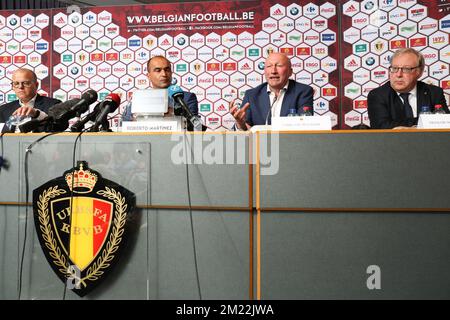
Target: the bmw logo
(294, 11)
(174, 81)
(75, 19)
(369, 5)
(370, 61)
(13, 21)
(74, 70)
(181, 41)
(261, 65)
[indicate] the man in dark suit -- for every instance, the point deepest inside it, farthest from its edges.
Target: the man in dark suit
(397, 103)
(29, 103)
(273, 98)
(159, 73)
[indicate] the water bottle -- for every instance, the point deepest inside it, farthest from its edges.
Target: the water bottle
(425, 110)
(307, 111)
(14, 121)
(292, 112)
(438, 109)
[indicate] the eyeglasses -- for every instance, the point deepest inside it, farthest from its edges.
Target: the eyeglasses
(402, 69)
(18, 84)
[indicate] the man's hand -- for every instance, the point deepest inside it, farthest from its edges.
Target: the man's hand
(169, 113)
(239, 114)
(27, 111)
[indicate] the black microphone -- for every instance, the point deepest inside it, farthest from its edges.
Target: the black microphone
(177, 95)
(79, 125)
(110, 104)
(63, 112)
(36, 125)
(270, 110)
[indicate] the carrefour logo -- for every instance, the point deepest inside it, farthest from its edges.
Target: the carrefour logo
(189, 80)
(142, 54)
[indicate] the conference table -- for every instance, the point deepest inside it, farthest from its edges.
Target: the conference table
(342, 214)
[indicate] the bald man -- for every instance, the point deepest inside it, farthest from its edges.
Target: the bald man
(273, 98)
(29, 102)
(159, 73)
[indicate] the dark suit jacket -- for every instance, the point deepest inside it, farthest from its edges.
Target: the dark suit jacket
(296, 96)
(42, 103)
(189, 98)
(386, 109)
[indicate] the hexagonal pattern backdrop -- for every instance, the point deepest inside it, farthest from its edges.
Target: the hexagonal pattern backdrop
(217, 50)
(341, 48)
(373, 30)
(24, 43)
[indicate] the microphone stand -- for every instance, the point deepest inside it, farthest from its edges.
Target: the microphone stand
(270, 110)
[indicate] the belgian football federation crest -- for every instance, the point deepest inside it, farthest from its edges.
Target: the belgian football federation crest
(80, 220)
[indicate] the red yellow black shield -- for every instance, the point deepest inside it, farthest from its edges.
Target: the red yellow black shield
(80, 219)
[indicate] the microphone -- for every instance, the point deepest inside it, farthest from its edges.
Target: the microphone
(63, 112)
(270, 110)
(110, 104)
(36, 125)
(177, 95)
(59, 109)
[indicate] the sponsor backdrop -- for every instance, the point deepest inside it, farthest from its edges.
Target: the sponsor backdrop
(373, 30)
(25, 41)
(340, 48)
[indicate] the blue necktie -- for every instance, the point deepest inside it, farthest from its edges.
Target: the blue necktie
(408, 109)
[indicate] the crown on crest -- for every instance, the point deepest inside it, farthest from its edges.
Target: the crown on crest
(83, 180)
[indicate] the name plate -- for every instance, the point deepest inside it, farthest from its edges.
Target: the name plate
(302, 123)
(434, 121)
(151, 126)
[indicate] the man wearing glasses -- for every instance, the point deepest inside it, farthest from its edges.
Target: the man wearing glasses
(396, 104)
(29, 103)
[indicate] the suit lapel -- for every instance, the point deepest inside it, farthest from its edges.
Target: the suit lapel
(287, 100)
(264, 103)
(423, 96)
(38, 102)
